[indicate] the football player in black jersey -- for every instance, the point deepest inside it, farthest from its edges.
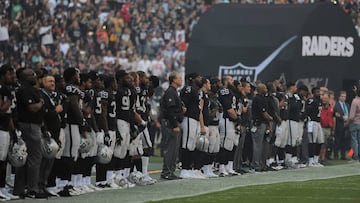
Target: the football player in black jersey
(125, 114)
(143, 109)
(75, 123)
(215, 113)
(211, 136)
(295, 130)
(107, 171)
(7, 103)
(191, 97)
(315, 133)
(227, 128)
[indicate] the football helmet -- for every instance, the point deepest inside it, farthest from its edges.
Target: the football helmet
(104, 154)
(49, 147)
(202, 143)
(86, 144)
(17, 154)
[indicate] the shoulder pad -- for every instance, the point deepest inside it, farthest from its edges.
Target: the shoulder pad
(201, 94)
(296, 97)
(224, 91)
(74, 90)
(138, 90)
(91, 93)
(103, 94)
(188, 89)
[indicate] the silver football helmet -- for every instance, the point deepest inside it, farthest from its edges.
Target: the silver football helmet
(17, 154)
(49, 147)
(104, 154)
(137, 178)
(202, 143)
(86, 143)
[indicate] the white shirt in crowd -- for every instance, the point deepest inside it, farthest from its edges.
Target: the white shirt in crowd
(157, 67)
(122, 61)
(4, 33)
(47, 37)
(109, 59)
(144, 65)
(64, 47)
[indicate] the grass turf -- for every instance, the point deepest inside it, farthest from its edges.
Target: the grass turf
(344, 189)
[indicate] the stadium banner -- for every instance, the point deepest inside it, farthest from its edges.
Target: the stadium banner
(311, 44)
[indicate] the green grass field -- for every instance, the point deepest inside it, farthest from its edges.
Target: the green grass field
(336, 190)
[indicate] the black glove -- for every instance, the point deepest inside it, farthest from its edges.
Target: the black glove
(134, 132)
(84, 127)
(107, 140)
(118, 138)
(13, 136)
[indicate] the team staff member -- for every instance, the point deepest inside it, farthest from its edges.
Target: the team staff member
(52, 124)
(261, 120)
(172, 115)
(245, 123)
(30, 107)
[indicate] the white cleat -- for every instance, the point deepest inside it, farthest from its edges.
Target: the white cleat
(186, 174)
(198, 175)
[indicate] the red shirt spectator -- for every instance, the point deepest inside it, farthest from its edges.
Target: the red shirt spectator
(326, 116)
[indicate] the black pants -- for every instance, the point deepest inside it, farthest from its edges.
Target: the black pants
(170, 148)
(341, 144)
(2, 173)
(28, 175)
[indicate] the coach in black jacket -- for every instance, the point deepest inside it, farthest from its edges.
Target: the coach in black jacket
(172, 115)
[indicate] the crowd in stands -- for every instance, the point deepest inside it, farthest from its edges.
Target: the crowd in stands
(104, 35)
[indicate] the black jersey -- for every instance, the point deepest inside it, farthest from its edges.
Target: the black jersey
(313, 109)
(259, 106)
(141, 104)
(51, 117)
(6, 94)
(61, 99)
(191, 98)
(100, 102)
(206, 108)
(111, 111)
(215, 110)
(294, 106)
(303, 109)
(75, 99)
(90, 101)
(125, 103)
(227, 100)
(26, 96)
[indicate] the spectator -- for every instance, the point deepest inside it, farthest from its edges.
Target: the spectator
(354, 120)
(341, 114)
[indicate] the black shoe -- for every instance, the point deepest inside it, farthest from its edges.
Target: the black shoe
(175, 177)
(30, 194)
(169, 177)
(36, 195)
(41, 195)
(64, 193)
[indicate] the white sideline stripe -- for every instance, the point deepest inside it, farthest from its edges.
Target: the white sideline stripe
(286, 179)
